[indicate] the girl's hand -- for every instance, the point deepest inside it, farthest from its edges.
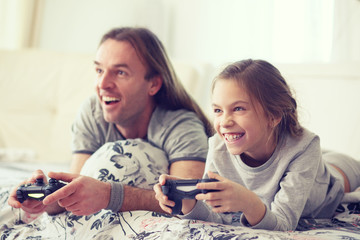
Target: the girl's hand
(29, 205)
(232, 197)
(165, 203)
(229, 197)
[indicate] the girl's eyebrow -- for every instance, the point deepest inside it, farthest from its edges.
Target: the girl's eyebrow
(240, 102)
(234, 103)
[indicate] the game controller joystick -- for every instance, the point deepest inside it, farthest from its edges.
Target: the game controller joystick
(38, 190)
(177, 190)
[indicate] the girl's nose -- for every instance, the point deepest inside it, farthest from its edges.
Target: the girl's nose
(226, 121)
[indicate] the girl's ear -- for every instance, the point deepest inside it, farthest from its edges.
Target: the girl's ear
(274, 121)
(155, 84)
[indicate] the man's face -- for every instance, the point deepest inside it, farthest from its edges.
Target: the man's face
(120, 84)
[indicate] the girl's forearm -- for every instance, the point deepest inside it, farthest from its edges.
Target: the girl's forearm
(255, 210)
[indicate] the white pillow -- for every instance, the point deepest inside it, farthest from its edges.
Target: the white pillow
(134, 162)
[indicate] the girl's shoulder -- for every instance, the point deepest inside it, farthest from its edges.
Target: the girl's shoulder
(306, 138)
(300, 144)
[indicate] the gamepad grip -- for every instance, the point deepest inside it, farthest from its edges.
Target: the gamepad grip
(177, 190)
(38, 190)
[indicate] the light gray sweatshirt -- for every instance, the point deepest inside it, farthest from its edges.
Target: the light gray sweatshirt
(295, 182)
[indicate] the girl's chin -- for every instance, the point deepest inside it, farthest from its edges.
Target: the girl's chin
(233, 150)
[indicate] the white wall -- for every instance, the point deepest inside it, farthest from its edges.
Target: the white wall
(210, 33)
(77, 26)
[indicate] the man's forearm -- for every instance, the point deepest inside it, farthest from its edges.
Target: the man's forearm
(139, 199)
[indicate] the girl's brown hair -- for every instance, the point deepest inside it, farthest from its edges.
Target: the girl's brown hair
(172, 95)
(265, 83)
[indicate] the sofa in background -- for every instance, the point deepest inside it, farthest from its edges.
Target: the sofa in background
(41, 92)
(40, 95)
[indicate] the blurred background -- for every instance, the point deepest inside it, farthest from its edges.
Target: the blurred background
(213, 31)
(314, 43)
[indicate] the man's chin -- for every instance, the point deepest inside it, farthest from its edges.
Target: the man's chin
(109, 119)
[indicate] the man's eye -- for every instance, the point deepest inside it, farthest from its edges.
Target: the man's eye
(98, 70)
(121, 73)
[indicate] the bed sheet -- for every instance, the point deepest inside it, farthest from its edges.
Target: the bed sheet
(15, 224)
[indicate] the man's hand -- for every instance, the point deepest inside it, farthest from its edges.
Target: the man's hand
(29, 205)
(82, 195)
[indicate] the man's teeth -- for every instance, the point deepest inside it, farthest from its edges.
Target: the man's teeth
(233, 137)
(110, 99)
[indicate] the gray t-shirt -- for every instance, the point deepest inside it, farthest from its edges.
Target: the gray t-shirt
(180, 134)
(295, 182)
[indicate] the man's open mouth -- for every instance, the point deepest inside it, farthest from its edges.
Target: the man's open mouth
(110, 100)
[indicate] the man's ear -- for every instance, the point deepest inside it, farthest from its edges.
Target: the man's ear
(156, 83)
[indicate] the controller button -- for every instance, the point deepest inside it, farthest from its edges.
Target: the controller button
(39, 181)
(52, 181)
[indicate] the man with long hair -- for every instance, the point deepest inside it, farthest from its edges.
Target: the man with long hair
(138, 96)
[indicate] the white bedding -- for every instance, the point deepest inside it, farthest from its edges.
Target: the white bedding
(14, 224)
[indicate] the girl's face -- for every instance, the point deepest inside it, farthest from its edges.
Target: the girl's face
(240, 122)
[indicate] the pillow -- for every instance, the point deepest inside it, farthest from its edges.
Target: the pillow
(134, 162)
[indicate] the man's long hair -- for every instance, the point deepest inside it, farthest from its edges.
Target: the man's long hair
(172, 94)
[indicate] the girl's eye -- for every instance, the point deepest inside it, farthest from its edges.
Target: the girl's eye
(239, 109)
(216, 110)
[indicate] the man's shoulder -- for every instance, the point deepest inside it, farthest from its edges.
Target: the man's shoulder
(164, 117)
(92, 101)
(92, 106)
(91, 111)
(169, 125)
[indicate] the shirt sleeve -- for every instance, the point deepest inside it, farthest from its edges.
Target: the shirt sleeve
(285, 209)
(86, 133)
(295, 186)
(180, 134)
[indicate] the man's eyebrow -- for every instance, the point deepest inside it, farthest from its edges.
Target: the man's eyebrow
(115, 66)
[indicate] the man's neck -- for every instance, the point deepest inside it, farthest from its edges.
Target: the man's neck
(138, 128)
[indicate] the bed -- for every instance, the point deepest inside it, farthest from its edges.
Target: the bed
(15, 224)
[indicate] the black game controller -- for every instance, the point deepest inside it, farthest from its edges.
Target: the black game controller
(38, 190)
(177, 190)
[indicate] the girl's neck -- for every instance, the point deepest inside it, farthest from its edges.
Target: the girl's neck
(257, 162)
(251, 162)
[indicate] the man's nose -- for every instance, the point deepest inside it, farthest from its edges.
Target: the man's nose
(105, 81)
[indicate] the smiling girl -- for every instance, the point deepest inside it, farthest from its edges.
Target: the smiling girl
(271, 170)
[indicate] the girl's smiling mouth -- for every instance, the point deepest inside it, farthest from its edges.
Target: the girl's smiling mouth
(232, 137)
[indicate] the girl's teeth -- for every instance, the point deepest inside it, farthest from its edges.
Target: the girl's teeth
(233, 137)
